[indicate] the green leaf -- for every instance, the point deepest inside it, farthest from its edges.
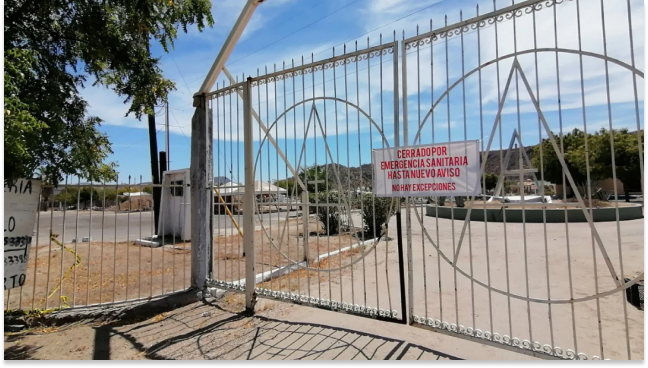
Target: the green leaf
(52, 48)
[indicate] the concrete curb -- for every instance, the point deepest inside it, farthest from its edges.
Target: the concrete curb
(142, 308)
(345, 249)
(261, 277)
(156, 244)
(537, 215)
(282, 271)
(148, 243)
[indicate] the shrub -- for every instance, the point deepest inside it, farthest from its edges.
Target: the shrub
(460, 201)
(354, 201)
(329, 216)
(376, 212)
(549, 190)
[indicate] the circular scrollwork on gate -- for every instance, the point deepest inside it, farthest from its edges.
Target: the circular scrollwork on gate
(621, 286)
(516, 55)
(346, 197)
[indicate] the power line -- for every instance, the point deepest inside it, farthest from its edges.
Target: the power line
(178, 125)
(131, 146)
(299, 13)
(135, 144)
(304, 27)
(340, 44)
(294, 32)
(288, 35)
(352, 39)
(182, 76)
(364, 68)
(384, 25)
(352, 72)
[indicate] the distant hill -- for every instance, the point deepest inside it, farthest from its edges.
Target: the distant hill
(362, 176)
(355, 177)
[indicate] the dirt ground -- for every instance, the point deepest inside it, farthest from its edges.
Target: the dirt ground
(543, 261)
(114, 272)
(124, 270)
(513, 260)
(277, 246)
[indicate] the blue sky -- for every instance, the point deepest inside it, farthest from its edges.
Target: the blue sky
(321, 25)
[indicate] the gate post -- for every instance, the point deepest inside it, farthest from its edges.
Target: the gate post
(200, 171)
(248, 199)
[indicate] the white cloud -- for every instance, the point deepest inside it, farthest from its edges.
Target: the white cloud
(620, 79)
(110, 107)
(423, 76)
(381, 12)
(391, 7)
(227, 12)
(591, 40)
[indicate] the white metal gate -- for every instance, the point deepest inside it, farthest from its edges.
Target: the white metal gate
(545, 265)
(312, 127)
(535, 277)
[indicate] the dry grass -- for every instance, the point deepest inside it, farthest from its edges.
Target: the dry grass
(122, 271)
(107, 272)
(266, 306)
(229, 262)
(160, 317)
(234, 301)
(298, 281)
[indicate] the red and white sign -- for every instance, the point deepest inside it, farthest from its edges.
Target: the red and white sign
(442, 169)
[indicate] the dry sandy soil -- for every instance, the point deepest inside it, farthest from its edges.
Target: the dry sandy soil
(515, 261)
(124, 271)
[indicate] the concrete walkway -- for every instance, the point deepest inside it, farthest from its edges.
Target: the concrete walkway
(218, 331)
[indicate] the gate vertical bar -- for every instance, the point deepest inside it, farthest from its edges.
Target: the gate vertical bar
(614, 176)
(305, 218)
(209, 187)
(408, 221)
(248, 200)
(399, 230)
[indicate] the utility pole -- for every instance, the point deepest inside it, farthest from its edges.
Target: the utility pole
(155, 168)
(155, 173)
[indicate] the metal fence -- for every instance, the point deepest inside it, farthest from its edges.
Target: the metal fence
(312, 124)
(88, 248)
(510, 274)
(545, 274)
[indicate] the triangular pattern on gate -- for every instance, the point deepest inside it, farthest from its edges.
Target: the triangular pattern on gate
(517, 70)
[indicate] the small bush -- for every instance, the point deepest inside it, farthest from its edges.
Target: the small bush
(329, 216)
(549, 190)
(354, 200)
(376, 212)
